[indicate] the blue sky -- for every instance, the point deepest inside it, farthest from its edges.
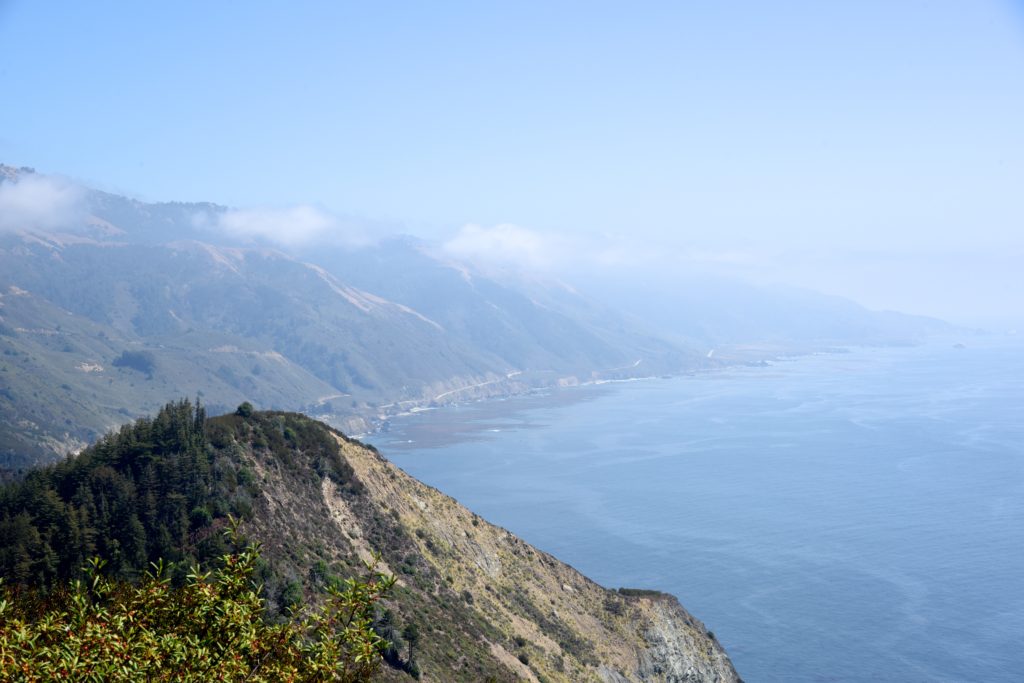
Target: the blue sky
(870, 149)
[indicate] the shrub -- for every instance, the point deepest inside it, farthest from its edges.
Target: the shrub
(200, 517)
(642, 593)
(142, 361)
(211, 627)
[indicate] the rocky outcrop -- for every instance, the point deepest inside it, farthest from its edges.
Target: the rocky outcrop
(680, 649)
(554, 623)
(487, 605)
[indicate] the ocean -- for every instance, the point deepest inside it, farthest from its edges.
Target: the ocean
(850, 516)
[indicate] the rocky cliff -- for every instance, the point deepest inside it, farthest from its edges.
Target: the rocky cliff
(489, 606)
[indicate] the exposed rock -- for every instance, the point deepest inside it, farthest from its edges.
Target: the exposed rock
(568, 627)
(679, 648)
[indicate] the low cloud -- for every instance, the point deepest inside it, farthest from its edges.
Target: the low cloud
(294, 226)
(513, 246)
(41, 203)
(507, 245)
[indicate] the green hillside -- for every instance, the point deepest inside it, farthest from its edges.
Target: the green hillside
(471, 602)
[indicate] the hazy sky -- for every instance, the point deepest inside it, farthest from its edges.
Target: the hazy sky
(870, 149)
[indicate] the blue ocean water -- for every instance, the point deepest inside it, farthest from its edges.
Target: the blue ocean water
(839, 517)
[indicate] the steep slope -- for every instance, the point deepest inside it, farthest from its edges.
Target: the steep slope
(66, 379)
(486, 605)
(568, 627)
(540, 326)
(353, 340)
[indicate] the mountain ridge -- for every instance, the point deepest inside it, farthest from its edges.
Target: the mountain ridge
(136, 277)
(352, 335)
(487, 605)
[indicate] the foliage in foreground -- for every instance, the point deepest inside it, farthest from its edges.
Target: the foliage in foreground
(209, 629)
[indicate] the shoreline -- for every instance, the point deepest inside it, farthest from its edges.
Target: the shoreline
(734, 357)
(724, 358)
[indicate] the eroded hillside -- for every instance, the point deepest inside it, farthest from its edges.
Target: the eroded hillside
(487, 604)
(567, 626)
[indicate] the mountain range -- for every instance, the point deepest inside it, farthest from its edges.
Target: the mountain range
(126, 303)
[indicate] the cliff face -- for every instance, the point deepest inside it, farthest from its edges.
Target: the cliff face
(488, 605)
(574, 628)
(679, 648)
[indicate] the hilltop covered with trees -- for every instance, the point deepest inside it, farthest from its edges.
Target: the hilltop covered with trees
(470, 601)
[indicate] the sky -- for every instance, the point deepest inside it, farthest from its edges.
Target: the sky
(871, 149)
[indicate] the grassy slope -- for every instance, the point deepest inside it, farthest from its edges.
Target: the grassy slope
(60, 388)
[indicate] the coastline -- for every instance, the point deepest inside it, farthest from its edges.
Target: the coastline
(535, 384)
(516, 385)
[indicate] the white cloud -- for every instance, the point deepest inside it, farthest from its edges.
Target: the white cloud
(506, 245)
(514, 246)
(41, 203)
(292, 226)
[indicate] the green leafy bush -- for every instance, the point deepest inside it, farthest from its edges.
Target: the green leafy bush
(212, 628)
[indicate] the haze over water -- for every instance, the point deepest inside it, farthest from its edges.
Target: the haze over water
(838, 517)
